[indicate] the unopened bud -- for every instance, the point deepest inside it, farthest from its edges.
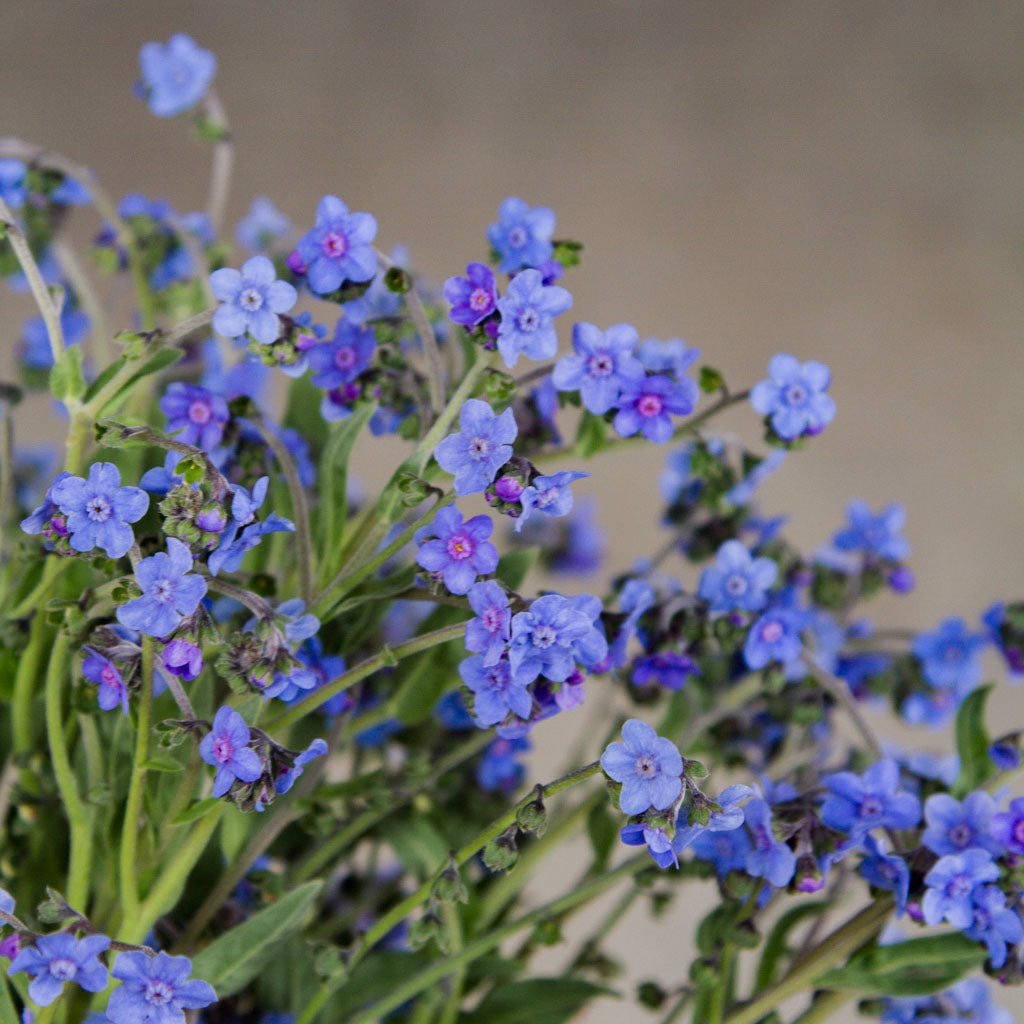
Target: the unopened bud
(501, 854)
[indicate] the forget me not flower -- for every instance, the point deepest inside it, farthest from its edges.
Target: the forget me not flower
(111, 689)
(488, 633)
(156, 989)
(794, 397)
(994, 923)
(12, 183)
(61, 957)
(482, 446)
(951, 884)
(495, 691)
(859, 803)
(648, 405)
(522, 234)
(226, 747)
(459, 551)
(886, 871)
(737, 581)
(952, 826)
(250, 300)
(950, 656)
(546, 639)
(768, 857)
(169, 591)
(195, 414)
(602, 366)
(1008, 827)
(527, 311)
(99, 509)
(473, 298)
(338, 247)
(649, 767)
(261, 225)
(548, 494)
(175, 74)
(877, 536)
(775, 637)
(343, 358)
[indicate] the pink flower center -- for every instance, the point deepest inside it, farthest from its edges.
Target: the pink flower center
(345, 358)
(223, 749)
(199, 411)
(460, 547)
(771, 632)
(109, 676)
(649, 405)
(334, 245)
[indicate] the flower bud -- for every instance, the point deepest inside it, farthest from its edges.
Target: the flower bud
(501, 854)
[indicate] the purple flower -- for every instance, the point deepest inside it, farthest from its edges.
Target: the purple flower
(169, 591)
(730, 817)
(182, 658)
(261, 225)
(994, 923)
(342, 359)
(886, 871)
(1008, 827)
(226, 747)
(950, 656)
(669, 669)
(545, 638)
(41, 519)
(648, 766)
(952, 827)
(339, 247)
(657, 840)
(488, 633)
(859, 803)
(527, 311)
(111, 688)
(175, 74)
(495, 692)
(195, 414)
(483, 445)
(155, 989)
(767, 858)
(522, 234)
(250, 300)
(602, 366)
(647, 406)
(57, 958)
(876, 536)
(99, 509)
(473, 298)
(548, 494)
(794, 397)
(774, 637)
(459, 551)
(243, 533)
(951, 884)
(737, 581)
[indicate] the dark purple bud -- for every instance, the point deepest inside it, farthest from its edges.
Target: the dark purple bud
(901, 580)
(551, 271)
(59, 526)
(182, 658)
(295, 262)
(808, 876)
(1005, 755)
(211, 519)
(9, 946)
(508, 488)
(491, 329)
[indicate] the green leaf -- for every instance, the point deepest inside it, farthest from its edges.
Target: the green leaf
(162, 764)
(538, 1000)
(914, 968)
(333, 477)
(972, 743)
(375, 977)
(515, 565)
(159, 361)
(591, 434)
(603, 831)
(66, 378)
(417, 843)
(195, 811)
(234, 830)
(233, 959)
(710, 380)
(776, 945)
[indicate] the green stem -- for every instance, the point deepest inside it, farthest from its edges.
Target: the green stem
(300, 507)
(79, 815)
(398, 913)
(824, 1007)
(834, 949)
(452, 921)
(433, 974)
(611, 919)
(676, 1009)
(719, 994)
(133, 805)
(386, 657)
(86, 294)
(26, 677)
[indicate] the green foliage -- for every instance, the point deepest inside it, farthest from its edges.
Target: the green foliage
(537, 1000)
(67, 382)
(972, 743)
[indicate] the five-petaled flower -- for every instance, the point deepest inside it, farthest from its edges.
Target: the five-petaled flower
(649, 767)
(169, 591)
(482, 446)
(195, 414)
(155, 989)
(226, 747)
(473, 298)
(338, 247)
(527, 311)
(794, 398)
(737, 581)
(111, 689)
(175, 74)
(522, 234)
(603, 364)
(458, 551)
(54, 959)
(250, 300)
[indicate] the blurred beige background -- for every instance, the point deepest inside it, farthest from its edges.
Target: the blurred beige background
(840, 180)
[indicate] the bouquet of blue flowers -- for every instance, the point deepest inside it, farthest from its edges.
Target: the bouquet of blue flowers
(262, 753)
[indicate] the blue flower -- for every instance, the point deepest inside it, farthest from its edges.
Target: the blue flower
(527, 311)
(243, 533)
(648, 405)
(950, 656)
(859, 803)
(731, 816)
(886, 871)
(99, 509)
(522, 234)
(195, 414)
(728, 851)
(548, 494)
(181, 658)
(37, 354)
(175, 74)
(499, 769)
(994, 923)
(876, 536)
(457, 550)
(657, 840)
(673, 356)
(339, 247)
(951, 884)
(250, 300)
(111, 689)
(495, 692)
(169, 591)
(1008, 827)
(737, 581)
(261, 225)
(156, 989)
(54, 959)
(767, 858)
(669, 669)
(286, 779)
(12, 183)
(775, 636)
(649, 767)
(488, 633)
(794, 397)
(603, 365)
(545, 638)
(473, 298)
(952, 827)
(343, 358)
(483, 445)
(226, 747)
